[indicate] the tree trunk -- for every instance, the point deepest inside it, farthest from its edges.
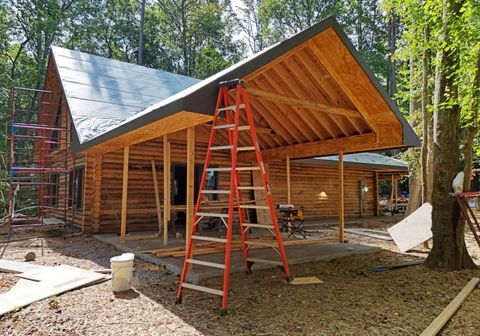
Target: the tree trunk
(449, 251)
(392, 46)
(141, 33)
(415, 189)
(426, 188)
(472, 130)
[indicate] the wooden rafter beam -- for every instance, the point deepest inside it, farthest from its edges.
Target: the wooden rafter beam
(308, 104)
(355, 143)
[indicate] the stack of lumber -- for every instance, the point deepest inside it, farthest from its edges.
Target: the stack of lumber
(213, 247)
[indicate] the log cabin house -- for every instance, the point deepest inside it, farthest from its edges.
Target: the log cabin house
(311, 95)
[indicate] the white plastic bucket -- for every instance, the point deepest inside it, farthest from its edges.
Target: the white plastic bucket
(122, 272)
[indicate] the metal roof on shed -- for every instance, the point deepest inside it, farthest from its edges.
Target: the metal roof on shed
(102, 93)
(371, 160)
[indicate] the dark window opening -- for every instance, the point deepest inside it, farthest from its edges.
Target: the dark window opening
(76, 183)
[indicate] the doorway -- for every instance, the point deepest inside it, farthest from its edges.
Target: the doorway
(179, 188)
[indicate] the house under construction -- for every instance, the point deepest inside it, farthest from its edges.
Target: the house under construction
(116, 147)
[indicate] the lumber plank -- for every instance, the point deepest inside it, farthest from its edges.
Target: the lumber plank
(166, 188)
(190, 181)
(157, 197)
(439, 322)
(341, 199)
(123, 228)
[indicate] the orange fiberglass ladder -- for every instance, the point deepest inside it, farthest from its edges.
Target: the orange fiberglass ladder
(230, 123)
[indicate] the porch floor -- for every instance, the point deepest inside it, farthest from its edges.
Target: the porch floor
(139, 243)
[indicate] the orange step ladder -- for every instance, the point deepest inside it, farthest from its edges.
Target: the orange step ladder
(230, 123)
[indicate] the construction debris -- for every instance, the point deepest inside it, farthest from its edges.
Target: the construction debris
(306, 281)
(213, 247)
(450, 310)
(39, 282)
(395, 266)
(414, 229)
(30, 256)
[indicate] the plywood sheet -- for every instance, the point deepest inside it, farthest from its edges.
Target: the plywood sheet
(414, 229)
(11, 266)
(52, 283)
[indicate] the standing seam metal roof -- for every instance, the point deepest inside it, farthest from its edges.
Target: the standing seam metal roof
(102, 93)
(361, 159)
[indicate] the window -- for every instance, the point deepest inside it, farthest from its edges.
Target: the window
(76, 185)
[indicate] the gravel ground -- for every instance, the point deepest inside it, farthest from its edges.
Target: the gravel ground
(352, 300)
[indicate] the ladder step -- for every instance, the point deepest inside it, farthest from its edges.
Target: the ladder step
(206, 191)
(205, 263)
(258, 207)
(248, 168)
(224, 126)
(231, 108)
(262, 243)
(202, 289)
(250, 188)
(260, 226)
(221, 147)
(211, 214)
(265, 261)
(244, 149)
(232, 126)
(219, 169)
(230, 169)
(212, 239)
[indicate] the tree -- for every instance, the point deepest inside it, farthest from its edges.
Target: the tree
(198, 34)
(449, 250)
(252, 25)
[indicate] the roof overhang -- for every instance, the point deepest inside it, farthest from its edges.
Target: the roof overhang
(312, 90)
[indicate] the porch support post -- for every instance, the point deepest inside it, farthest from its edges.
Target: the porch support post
(289, 190)
(190, 180)
(341, 205)
(123, 226)
(166, 188)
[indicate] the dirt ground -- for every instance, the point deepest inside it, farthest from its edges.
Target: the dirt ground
(352, 300)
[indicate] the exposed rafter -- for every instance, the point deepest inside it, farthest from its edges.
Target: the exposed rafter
(308, 104)
(355, 143)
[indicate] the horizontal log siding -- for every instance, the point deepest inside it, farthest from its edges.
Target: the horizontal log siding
(308, 182)
(141, 209)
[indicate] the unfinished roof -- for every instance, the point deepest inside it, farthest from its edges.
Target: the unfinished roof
(362, 160)
(101, 93)
(311, 94)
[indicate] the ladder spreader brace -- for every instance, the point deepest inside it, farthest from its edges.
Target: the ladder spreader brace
(231, 124)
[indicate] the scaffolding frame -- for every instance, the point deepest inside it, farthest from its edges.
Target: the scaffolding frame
(41, 169)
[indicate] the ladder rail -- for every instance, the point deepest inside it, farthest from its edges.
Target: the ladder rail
(235, 170)
(188, 252)
(266, 187)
